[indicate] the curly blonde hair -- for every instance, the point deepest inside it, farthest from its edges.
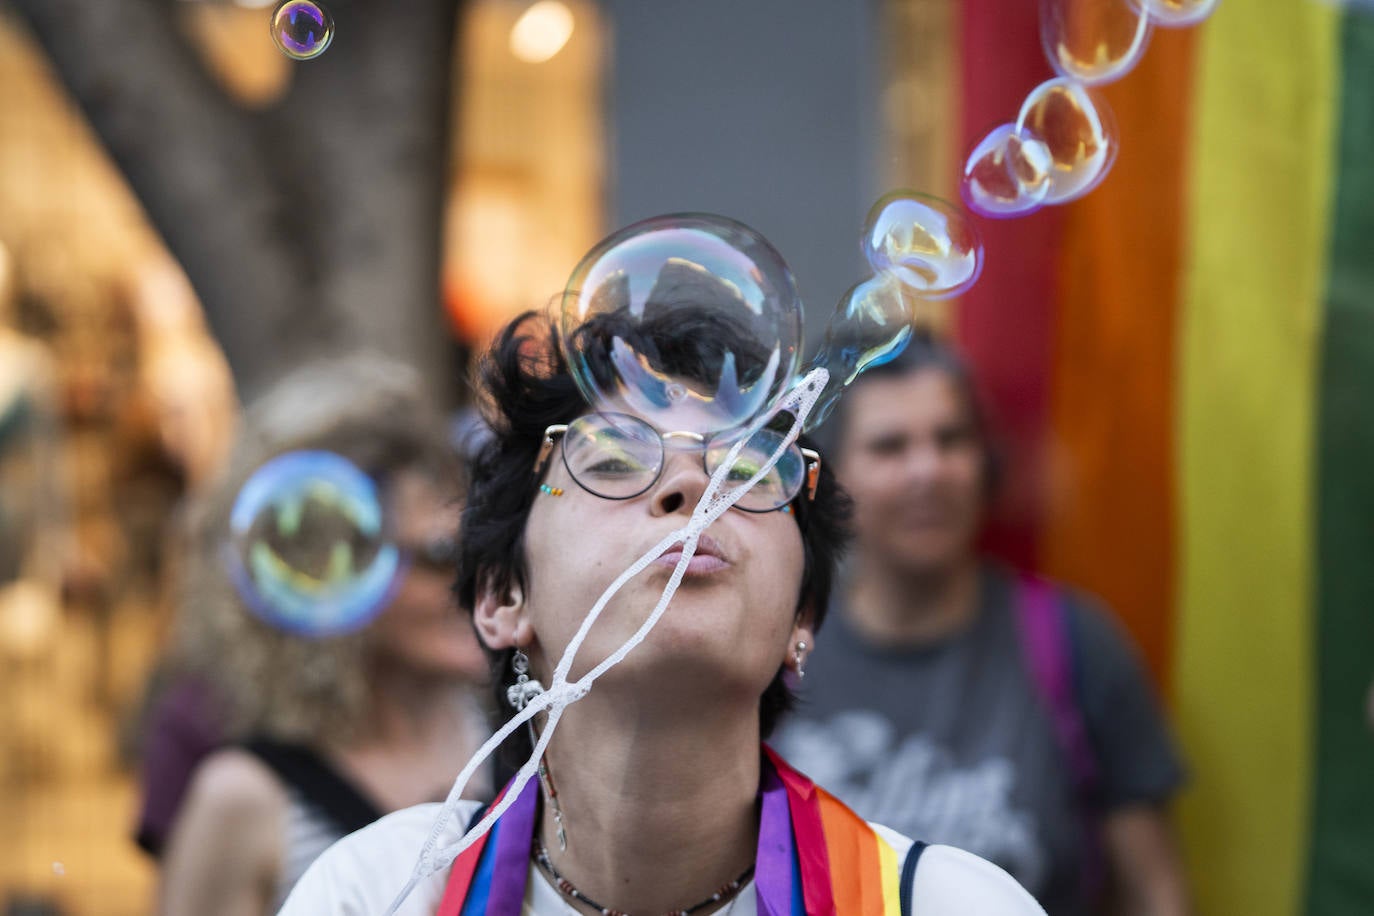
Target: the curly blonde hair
(271, 683)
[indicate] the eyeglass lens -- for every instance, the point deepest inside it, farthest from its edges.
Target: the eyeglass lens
(618, 457)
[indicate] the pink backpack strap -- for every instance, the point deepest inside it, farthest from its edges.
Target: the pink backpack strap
(1047, 646)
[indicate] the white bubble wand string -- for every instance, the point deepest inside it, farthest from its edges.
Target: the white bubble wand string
(561, 693)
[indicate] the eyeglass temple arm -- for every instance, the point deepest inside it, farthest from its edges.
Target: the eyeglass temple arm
(546, 448)
(813, 472)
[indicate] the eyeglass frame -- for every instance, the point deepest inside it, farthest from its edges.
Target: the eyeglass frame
(810, 458)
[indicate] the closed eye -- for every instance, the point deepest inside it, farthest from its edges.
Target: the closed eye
(616, 465)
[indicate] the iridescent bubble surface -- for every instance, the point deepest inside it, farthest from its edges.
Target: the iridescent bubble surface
(1178, 13)
(307, 549)
(691, 286)
(1007, 174)
(1093, 41)
(1079, 131)
(871, 325)
(302, 29)
(930, 245)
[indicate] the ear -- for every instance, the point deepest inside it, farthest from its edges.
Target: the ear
(499, 616)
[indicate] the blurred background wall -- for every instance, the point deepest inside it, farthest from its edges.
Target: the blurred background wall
(1182, 364)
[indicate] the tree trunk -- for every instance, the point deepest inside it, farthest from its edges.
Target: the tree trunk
(311, 226)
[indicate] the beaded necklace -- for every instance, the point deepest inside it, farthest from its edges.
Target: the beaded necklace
(724, 892)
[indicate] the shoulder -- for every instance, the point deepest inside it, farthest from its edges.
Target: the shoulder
(363, 872)
(233, 783)
(949, 881)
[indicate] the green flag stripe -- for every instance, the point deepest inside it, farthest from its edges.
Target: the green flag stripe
(1341, 875)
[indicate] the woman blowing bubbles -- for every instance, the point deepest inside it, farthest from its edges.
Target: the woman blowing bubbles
(658, 797)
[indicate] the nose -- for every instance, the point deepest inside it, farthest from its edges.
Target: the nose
(924, 462)
(680, 486)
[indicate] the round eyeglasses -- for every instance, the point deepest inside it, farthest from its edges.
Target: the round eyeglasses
(618, 456)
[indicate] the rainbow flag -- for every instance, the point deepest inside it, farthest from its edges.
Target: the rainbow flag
(815, 856)
(1182, 364)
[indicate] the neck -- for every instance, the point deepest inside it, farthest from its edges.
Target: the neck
(416, 727)
(898, 606)
(660, 810)
(405, 708)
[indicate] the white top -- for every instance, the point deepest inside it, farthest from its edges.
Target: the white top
(362, 873)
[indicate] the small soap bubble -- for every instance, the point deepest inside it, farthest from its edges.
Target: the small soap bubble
(301, 29)
(308, 550)
(1007, 174)
(930, 245)
(639, 294)
(871, 325)
(1079, 131)
(1093, 41)
(1178, 13)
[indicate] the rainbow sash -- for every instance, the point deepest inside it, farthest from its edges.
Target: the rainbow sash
(815, 856)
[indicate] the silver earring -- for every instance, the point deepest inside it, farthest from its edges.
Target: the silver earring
(799, 656)
(525, 687)
(519, 695)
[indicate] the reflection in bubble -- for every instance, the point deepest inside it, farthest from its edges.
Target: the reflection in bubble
(928, 244)
(1093, 41)
(307, 545)
(680, 290)
(302, 29)
(871, 326)
(1079, 131)
(1007, 174)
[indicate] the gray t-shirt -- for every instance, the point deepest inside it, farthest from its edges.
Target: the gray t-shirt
(951, 743)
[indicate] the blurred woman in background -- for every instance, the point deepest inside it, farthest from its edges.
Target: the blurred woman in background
(325, 735)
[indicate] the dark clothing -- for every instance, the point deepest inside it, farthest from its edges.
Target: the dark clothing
(951, 743)
(183, 730)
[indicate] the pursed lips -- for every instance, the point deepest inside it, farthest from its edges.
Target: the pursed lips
(708, 557)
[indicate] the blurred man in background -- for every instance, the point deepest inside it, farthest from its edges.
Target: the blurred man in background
(962, 703)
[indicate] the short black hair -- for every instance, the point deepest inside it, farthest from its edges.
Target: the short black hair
(525, 387)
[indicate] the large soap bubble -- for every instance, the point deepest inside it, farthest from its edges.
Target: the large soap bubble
(302, 29)
(930, 245)
(1078, 129)
(1093, 41)
(1007, 174)
(308, 550)
(645, 296)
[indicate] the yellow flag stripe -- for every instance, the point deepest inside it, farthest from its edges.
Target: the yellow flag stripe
(1258, 220)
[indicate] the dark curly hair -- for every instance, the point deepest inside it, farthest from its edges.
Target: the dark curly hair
(525, 387)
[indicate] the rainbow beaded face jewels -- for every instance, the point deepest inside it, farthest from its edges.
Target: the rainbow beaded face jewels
(550, 491)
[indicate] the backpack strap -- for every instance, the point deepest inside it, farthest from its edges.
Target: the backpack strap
(1047, 646)
(320, 785)
(913, 855)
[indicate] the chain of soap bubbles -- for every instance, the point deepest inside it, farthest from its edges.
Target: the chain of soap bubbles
(919, 247)
(1062, 144)
(308, 549)
(302, 29)
(1064, 140)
